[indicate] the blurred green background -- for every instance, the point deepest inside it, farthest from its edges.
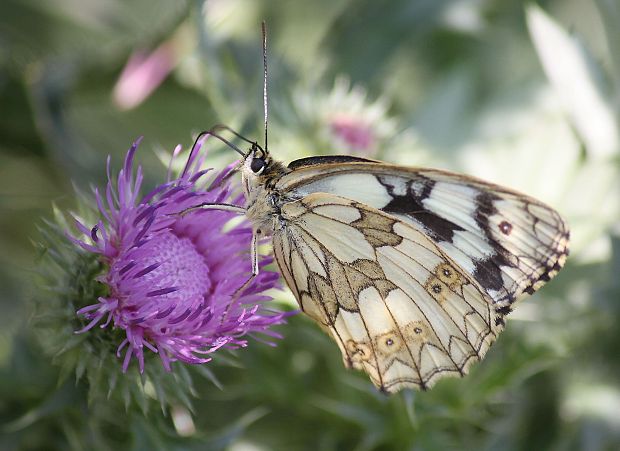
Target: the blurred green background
(520, 93)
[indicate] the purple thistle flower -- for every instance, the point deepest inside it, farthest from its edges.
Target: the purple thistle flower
(172, 278)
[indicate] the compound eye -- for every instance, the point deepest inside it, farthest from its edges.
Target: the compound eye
(257, 165)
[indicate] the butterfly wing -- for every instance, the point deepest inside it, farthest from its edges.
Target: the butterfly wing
(508, 242)
(399, 307)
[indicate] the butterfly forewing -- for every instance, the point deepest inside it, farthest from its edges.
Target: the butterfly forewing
(508, 242)
(399, 307)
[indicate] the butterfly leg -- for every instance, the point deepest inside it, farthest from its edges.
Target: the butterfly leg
(254, 259)
(253, 246)
(215, 206)
(255, 271)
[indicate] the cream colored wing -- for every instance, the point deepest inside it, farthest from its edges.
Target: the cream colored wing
(397, 305)
(510, 243)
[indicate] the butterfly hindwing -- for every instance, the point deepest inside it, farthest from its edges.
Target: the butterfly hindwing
(508, 242)
(399, 307)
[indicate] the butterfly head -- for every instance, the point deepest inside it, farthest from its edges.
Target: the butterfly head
(257, 169)
(255, 162)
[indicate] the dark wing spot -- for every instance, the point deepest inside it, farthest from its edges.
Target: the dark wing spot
(488, 273)
(503, 310)
(438, 228)
(505, 227)
(485, 210)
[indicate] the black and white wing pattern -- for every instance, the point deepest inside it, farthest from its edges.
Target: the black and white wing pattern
(398, 305)
(508, 243)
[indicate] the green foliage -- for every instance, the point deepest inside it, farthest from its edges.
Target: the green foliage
(521, 94)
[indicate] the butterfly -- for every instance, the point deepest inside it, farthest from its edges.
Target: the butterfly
(411, 271)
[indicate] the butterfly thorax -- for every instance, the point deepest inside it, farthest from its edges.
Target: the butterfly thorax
(259, 173)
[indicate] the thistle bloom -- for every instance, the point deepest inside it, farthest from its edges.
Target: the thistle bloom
(356, 134)
(173, 275)
(356, 125)
(336, 120)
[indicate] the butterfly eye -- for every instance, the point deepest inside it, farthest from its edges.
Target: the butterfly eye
(257, 165)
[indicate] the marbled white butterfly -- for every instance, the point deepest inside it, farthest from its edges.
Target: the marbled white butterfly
(411, 271)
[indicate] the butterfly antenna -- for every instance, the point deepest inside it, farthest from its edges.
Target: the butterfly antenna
(215, 135)
(264, 27)
(237, 134)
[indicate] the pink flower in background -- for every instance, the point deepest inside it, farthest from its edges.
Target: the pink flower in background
(142, 74)
(172, 278)
(354, 132)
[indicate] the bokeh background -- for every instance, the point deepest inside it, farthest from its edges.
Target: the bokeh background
(526, 94)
